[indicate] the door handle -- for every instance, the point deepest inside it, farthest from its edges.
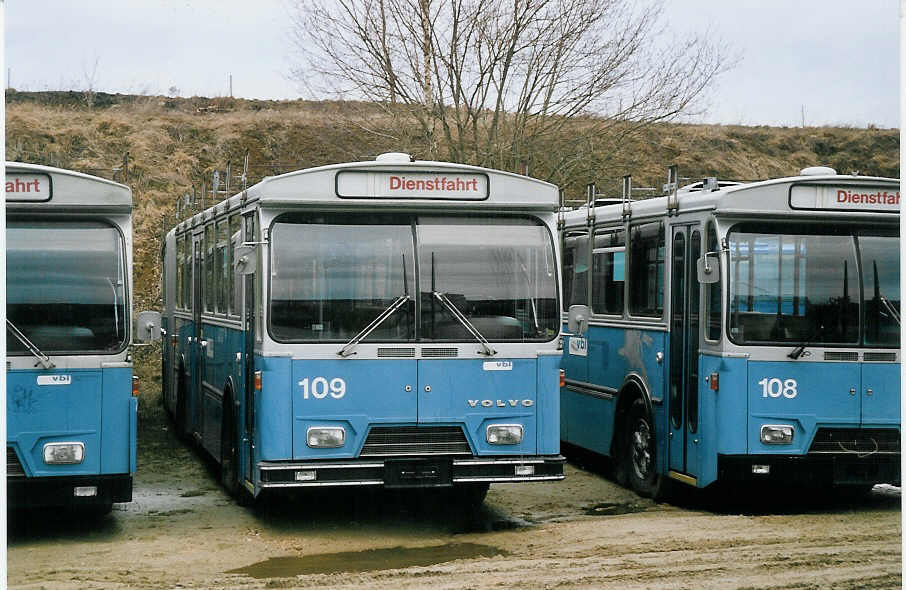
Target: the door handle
(869, 392)
(238, 358)
(659, 357)
(203, 343)
(852, 391)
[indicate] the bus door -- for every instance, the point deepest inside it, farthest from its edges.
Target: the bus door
(248, 369)
(246, 436)
(195, 350)
(683, 401)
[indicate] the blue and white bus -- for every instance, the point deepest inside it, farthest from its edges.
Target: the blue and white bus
(389, 323)
(737, 331)
(71, 402)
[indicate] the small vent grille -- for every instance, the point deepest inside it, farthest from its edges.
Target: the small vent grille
(439, 352)
(856, 441)
(13, 466)
(831, 355)
(390, 441)
(399, 353)
(880, 357)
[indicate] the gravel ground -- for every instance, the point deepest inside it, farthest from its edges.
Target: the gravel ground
(182, 531)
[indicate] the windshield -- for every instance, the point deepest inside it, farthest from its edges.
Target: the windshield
(332, 275)
(814, 286)
(65, 286)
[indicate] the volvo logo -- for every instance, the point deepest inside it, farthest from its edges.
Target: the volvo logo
(501, 403)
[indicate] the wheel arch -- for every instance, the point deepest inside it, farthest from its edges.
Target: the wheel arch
(634, 387)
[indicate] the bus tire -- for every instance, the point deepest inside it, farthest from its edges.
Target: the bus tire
(229, 455)
(640, 452)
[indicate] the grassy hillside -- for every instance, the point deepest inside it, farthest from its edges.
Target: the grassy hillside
(175, 143)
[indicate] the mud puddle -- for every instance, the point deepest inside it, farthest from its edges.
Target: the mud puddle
(613, 509)
(366, 561)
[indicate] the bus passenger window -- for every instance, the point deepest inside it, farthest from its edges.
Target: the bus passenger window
(608, 269)
(233, 289)
(575, 269)
(208, 288)
(222, 265)
(180, 273)
(646, 270)
(713, 298)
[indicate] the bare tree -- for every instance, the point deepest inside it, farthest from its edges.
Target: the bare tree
(90, 82)
(506, 83)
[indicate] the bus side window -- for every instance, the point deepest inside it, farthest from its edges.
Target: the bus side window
(233, 290)
(646, 270)
(208, 287)
(713, 297)
(222, 255)
(180, 272)
(575, 269)
(608, 272)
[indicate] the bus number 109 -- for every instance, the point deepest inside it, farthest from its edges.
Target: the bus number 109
(320, 387)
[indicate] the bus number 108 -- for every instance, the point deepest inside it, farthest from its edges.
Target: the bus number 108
(774, 387)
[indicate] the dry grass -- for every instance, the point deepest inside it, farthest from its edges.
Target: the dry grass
(172, 146)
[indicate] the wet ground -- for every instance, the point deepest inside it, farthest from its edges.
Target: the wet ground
(182, 531)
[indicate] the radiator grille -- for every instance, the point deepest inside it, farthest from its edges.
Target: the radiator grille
(13, 466)
(888, 357)
(856, 441)
(831, 355)
(389, 441)
(439, 352)
(400, 353)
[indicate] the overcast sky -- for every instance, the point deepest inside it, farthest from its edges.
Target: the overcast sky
(836, 59)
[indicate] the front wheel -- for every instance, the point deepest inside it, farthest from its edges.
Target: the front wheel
(229, 457)
(640, 452)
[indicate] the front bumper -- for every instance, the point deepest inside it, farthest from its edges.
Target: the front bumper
(842, 469)
(429, 472)
(32, 492)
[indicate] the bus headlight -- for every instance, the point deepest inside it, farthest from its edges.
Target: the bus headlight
(777, 434)
(504, 434)
(64, 453)
(325, 437)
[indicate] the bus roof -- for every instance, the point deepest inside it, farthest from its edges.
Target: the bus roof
(824, 195)
(394, 180)
(32, 187)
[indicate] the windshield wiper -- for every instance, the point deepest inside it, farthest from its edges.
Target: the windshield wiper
(889, 308)
(797, 352)
(347, 350)
(43, 359)
(465, 322)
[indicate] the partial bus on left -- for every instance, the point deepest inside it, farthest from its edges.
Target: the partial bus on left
(71, 400)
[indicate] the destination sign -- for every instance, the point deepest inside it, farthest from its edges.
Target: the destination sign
(27, 187)
(411, 185)
(845, 198)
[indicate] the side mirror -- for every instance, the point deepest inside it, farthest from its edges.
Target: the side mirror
(578, 319)
(147, 327)
(244, 259)
(708, 270)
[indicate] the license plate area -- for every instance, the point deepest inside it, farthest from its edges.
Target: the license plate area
(418, 473)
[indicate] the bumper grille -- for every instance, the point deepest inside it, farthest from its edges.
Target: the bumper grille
(856, 441)
(395, 441)
(13, 466)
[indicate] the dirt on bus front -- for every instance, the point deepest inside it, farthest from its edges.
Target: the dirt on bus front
(182, 531)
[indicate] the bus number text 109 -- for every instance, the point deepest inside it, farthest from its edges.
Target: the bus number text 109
(774, 387)
(321, 387)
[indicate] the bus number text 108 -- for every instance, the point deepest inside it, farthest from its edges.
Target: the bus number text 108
(321, 387)
(774, 387)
